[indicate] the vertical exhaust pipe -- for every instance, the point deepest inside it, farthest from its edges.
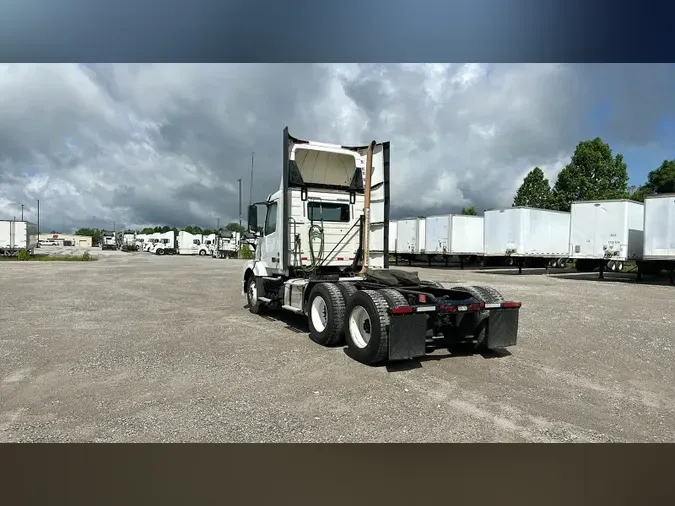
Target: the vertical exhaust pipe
(366, 208)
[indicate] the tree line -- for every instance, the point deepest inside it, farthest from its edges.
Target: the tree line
(96, 233)
(593, 173)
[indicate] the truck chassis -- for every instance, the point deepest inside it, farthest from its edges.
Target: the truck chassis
(389, 315)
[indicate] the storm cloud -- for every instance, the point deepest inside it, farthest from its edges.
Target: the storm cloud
(165, 144)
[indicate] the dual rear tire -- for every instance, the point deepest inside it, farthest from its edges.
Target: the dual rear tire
(339, 313)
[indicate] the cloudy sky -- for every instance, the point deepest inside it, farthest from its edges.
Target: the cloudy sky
(165, 144)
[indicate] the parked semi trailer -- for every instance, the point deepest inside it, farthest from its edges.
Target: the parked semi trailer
(658, 252)
(451, 235)
(527, 236)
(17, 235)
(605, 233)
(324, 253)
(410, 238)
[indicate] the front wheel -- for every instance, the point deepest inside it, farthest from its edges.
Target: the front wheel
(254, 304)
(202, 253)
(160, 251)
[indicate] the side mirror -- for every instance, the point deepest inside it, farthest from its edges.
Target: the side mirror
(252, 217)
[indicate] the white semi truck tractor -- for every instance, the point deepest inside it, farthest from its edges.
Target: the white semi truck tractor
(323, 253)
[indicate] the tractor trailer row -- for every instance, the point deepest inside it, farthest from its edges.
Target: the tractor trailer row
(595, 234)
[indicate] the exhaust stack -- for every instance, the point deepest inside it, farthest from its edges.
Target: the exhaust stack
(366, 208)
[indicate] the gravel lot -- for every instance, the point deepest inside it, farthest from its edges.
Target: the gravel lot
(140, 348)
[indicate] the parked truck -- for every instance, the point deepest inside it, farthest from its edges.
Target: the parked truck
(17, 235)
(166, 244)
(658, 252)
(324, 253)
(605, 233)
(192, 244)
(108, 240)
(227, 245)
(526, 236)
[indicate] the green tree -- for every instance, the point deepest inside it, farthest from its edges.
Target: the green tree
(235, 227)
(94, 233)
(592, 174)
(535, 191)
(660, 180)
(469, 211)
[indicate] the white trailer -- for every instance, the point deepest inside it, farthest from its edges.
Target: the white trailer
(410, 238)
(658, 251)
(393, 229)
(324, 254)
(454, 235)
(17, 235)
(538, 237)
(605, 234)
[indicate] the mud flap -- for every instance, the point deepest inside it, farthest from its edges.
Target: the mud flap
(502, 328)
(407, 336)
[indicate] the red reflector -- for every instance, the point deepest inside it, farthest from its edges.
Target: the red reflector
(441, 307)
(474, 307)
(422, 299)
(340, 258)
(402, 310)
(511, 305)
(305, 258)
(451, 309)
(351, 259)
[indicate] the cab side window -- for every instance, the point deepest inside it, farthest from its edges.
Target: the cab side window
(271, 219)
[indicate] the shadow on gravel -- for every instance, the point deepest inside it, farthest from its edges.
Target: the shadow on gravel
(454, 352)
(617, 277)
(532, 271)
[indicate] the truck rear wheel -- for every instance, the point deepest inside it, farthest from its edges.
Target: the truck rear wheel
(348, 290)
(160, 251)
(393, 297)
(367, 327)
(326, 314)
(489, 294)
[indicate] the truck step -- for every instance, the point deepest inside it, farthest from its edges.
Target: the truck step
(265, 299)
(292, 308)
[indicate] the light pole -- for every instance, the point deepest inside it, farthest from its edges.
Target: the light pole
(21, 212)
(240, 217)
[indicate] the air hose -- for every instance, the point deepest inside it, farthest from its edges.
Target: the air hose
(315, 232)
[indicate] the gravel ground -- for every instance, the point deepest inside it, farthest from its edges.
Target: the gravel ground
(141, 348)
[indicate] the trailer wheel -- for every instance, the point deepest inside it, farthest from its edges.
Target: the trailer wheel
(326, 314)
(160, 251)
(619, 266)
(254, 304)
(394, 297)
(367, 327)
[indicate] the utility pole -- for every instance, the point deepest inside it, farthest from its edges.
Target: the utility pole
(38, 219)
(240, 216)
(21, 212)
(250, 183)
